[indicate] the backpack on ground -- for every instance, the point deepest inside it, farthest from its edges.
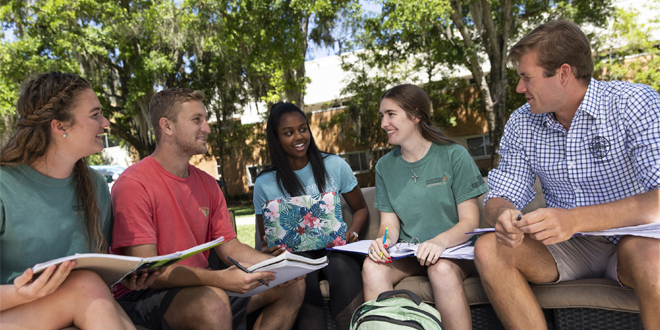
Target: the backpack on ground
(386, 312)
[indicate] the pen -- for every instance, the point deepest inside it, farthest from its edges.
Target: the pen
(245, 270)
(384, 240)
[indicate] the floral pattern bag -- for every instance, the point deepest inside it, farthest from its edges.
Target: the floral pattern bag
(304, 223)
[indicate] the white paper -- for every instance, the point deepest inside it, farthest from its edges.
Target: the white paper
(461, 251)
(651, 230)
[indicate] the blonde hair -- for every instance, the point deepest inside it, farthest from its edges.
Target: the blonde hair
(52, 96)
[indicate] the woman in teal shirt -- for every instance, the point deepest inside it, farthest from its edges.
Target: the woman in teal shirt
(426, 191)
(52, 205)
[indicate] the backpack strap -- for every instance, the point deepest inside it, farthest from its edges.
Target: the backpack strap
(388, 294)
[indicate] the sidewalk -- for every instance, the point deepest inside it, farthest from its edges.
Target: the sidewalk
(245, 220)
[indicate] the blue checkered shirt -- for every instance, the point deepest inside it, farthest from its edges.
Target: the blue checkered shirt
(611, 150)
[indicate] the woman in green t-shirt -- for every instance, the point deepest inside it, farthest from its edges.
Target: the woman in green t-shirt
(60, 123)
(426, 190)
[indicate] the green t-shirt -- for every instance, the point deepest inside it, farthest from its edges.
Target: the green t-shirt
(39, 218)
(447, 176)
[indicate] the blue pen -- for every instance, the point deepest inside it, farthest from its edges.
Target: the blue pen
(384, 240)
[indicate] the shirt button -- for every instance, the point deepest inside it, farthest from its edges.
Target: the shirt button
(571, 164)
(578, 190)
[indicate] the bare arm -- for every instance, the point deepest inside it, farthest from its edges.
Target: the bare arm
(553, 225)
(23, 291)
(231, 279)
(468, 219)
(358, 205)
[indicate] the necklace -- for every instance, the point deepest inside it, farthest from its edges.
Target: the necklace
(414, 176)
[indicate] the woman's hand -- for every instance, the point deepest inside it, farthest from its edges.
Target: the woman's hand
(47, 282)
(429, 252)
(376, 248)
(351, 236)
(274, 250)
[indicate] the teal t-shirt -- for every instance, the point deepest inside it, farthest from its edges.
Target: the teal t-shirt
(39, 218)
(447, 176)
(340, 179)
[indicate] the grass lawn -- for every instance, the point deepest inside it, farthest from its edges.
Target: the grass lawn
(246, 234)
(240, 211)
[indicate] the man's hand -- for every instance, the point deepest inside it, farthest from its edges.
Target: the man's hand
(47, 282)
(505, 231)
(137, 282)
(547, 225)
(242, 282)
(274, 250)
(429, 252)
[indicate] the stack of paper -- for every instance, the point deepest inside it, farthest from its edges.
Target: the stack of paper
(651, 230)
(286, 267)
(402, 250)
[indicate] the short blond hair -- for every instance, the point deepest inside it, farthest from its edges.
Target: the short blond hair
(556, 43)
(165, 104)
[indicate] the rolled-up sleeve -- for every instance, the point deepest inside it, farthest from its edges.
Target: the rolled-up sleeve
(514, 178)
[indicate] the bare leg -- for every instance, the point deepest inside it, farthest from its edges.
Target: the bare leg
(200, 307)
(83, 300)
(446, 278)
(280, 306)
(504, 274)
(378, 277)
(639, 268)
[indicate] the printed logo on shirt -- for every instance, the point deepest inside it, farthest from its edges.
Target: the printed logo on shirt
(437, 181)
(479, 182)
(205, 211)
(599, 147)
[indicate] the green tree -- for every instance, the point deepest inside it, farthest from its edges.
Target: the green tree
(475, 34)
(628, 51)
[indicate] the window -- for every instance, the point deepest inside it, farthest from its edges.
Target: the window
(359, 160)
(253, 171)
(479, 146)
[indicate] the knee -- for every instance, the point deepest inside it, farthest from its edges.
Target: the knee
(485, 251)
(371, 270)
(212, 310)
(87, 284)
(445, 273)
(639, 261)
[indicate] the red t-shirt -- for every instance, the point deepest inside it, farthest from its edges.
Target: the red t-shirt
(153, 206)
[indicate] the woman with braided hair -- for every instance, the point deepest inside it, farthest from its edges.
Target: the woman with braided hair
(52, 205)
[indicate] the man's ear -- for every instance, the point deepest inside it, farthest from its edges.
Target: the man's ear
(58, 127)
(565, 73)
(166, 126)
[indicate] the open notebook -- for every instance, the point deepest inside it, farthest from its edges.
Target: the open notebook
(402, 250)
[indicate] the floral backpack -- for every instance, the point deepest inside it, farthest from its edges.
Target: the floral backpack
(304, 223)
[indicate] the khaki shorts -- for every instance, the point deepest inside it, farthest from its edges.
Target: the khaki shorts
(585, 257)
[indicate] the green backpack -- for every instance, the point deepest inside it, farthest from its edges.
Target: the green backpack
(396, 313)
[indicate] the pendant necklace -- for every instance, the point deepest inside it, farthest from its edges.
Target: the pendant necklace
(414, 176)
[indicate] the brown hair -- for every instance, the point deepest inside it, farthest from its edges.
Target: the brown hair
(416, 103)
(52, 96)
(166, 104)
(556, 43)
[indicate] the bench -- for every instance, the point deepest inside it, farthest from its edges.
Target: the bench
(581, 304)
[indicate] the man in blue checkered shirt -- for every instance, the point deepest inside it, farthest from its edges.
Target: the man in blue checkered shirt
(595, 147)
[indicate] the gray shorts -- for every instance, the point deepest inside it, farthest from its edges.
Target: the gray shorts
(585, 257)
(147, 308)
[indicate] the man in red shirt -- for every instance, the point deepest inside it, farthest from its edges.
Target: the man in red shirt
(162, 205)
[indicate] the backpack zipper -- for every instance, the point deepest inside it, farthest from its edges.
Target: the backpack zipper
(431, 316)
(408, 323)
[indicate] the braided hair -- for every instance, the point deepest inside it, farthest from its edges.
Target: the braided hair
(52, 96)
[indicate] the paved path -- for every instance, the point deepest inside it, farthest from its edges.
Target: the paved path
(245, 220)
